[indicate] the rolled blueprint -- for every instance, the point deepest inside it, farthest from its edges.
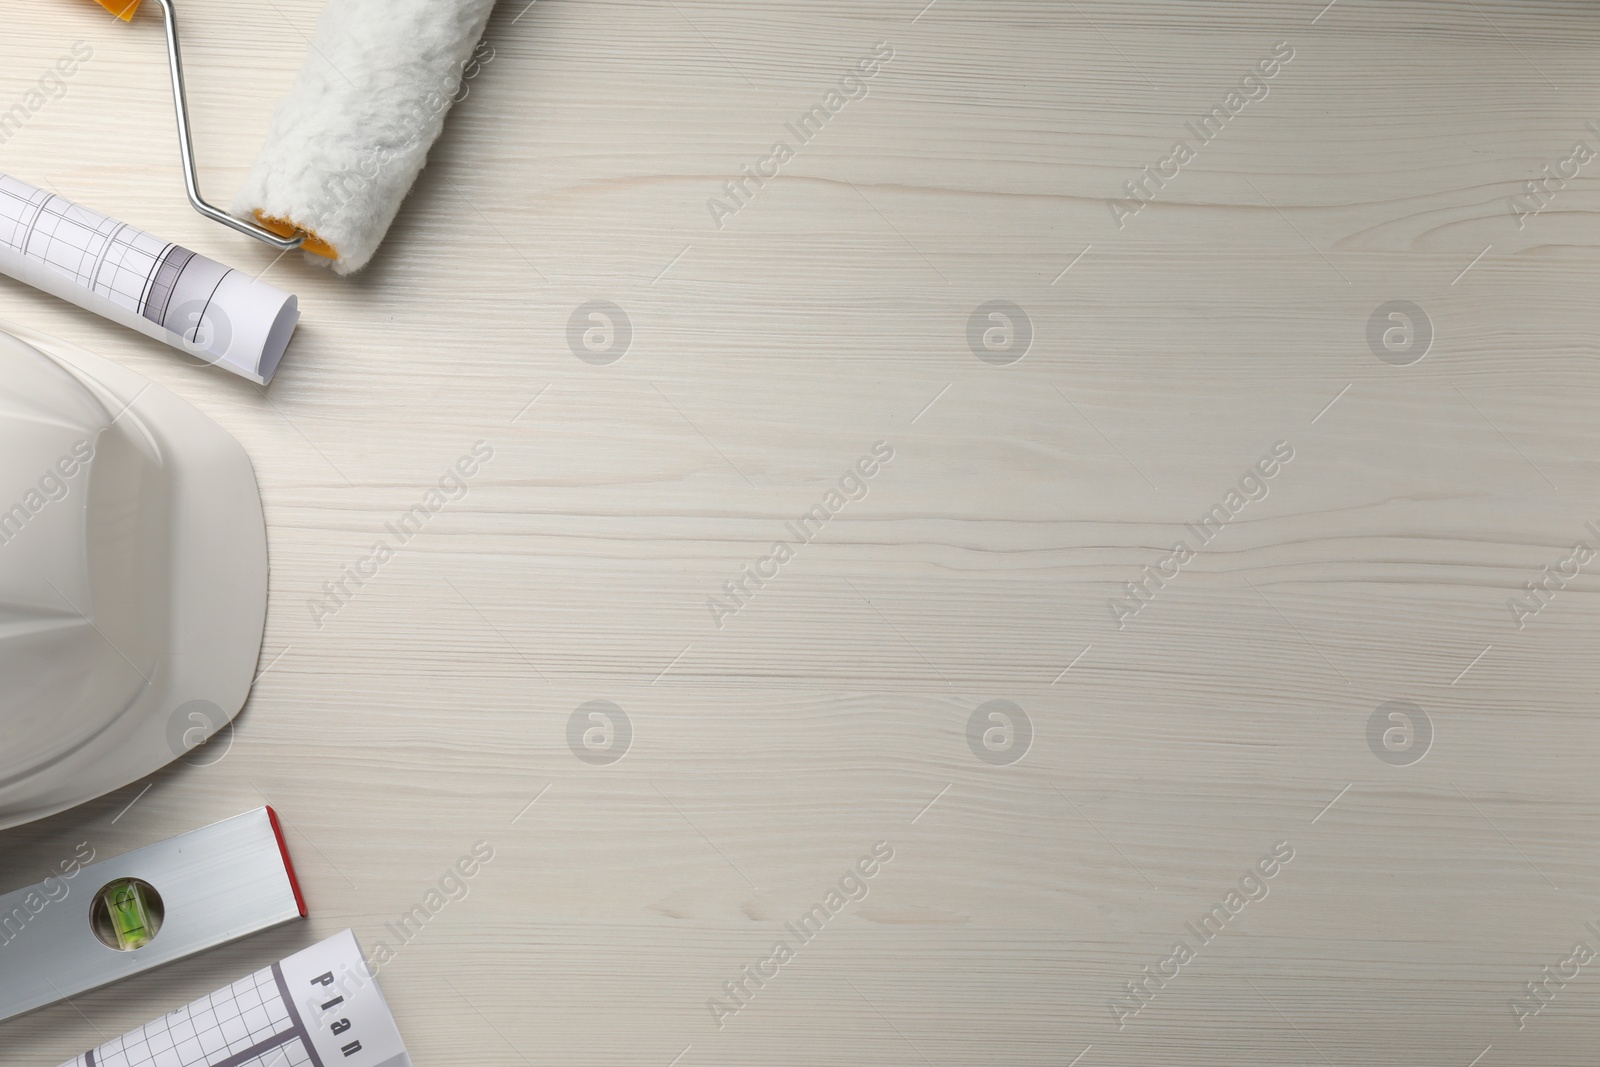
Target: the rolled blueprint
(319, 1008)
(211, 312)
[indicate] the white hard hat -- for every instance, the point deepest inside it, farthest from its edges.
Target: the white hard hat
(133, 578)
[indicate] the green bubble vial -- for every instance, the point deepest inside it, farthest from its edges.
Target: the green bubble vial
(131, 921)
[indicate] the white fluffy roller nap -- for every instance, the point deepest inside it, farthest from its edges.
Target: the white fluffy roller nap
(348, 141)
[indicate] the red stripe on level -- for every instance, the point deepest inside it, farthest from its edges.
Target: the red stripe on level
(288, 864)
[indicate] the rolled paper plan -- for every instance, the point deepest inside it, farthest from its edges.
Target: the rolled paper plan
(209, 311)
(320, 1007)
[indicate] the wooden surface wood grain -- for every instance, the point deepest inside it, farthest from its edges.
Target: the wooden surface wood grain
(1042, 460)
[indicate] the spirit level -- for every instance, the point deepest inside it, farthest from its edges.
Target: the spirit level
(122, 916)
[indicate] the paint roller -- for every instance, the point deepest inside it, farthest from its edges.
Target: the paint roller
(350, 138)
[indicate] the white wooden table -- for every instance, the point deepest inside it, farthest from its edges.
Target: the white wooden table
(1444, 452)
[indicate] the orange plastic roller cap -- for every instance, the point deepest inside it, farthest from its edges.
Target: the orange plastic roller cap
(123, 9)
(284, 228)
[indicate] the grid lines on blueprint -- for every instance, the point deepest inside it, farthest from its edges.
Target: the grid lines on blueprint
(102, 255)
(252, 1023)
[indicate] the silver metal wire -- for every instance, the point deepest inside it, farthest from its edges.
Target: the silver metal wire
(191, 176)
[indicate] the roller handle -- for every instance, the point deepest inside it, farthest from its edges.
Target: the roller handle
(125, 10)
